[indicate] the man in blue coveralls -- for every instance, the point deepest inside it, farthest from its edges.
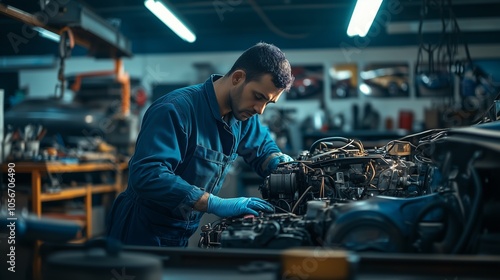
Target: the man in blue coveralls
(188, 140)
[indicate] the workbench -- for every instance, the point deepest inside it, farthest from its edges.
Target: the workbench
(82, 190)
(268, 264)
(38, 196)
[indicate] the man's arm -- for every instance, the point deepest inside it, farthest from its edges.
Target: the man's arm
(258, 148)
(160, 147)
(202, 203)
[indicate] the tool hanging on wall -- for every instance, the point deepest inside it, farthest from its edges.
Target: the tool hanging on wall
(442, 53)
(439, 66)
(66, 44)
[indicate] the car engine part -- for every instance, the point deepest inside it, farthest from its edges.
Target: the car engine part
(430, 192)
(346, 172)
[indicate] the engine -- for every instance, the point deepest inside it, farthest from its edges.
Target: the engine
(431, 192)
(380, 224)
(342, 173)
(277, 231)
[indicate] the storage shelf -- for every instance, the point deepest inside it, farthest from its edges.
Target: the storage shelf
(74, 192)
(59, 167)
(39, 169)
(64, 194)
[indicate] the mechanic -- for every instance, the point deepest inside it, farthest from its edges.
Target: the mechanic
(188, 139)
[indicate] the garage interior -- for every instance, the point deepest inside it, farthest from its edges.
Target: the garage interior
(411, 192)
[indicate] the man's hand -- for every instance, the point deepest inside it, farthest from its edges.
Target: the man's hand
(228, 207)
(275, 161)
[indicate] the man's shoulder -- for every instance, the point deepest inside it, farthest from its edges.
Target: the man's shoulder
(184, 91)
(186, 99)
(184, 94)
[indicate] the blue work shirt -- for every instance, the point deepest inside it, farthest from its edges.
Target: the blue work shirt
(184, 148)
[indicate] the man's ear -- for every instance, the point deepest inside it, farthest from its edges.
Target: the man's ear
(238, 76)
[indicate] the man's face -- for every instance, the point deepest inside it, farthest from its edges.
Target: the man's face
(248, 99)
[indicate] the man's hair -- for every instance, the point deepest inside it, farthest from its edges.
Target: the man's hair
(261, 59)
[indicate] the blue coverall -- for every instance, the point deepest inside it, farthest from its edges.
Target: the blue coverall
(183, 149)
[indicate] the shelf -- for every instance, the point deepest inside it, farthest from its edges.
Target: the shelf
(74, 192)
(59, 167)
(64, 194)
(84, 190)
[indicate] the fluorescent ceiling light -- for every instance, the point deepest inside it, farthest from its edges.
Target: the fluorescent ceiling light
(47, 34)
(167, 17)
(362, 17)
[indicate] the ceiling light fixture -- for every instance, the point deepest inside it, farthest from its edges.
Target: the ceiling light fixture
(47, 34)
(362, 17)
(167, 16)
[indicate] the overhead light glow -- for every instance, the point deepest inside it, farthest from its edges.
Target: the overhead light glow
(364, 88)
(362, 17)
(167, 17)
(47, 34)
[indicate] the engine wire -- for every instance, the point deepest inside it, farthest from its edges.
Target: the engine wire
(333, 150)
(358, 143)
(280, 201)
(322, 187)
(284, 210)
(332, 182)
(424, 142)
(300, 199)
(373, 173)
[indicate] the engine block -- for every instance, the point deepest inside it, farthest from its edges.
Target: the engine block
(345, 173)
(431, 192)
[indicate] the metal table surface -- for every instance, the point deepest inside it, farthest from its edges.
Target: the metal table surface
(265, 264)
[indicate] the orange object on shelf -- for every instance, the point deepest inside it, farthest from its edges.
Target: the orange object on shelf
(121, 76)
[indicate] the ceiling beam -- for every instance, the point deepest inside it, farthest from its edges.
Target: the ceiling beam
(436, 26)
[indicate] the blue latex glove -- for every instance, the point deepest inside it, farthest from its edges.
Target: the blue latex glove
(273, 163)
(228, 207)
